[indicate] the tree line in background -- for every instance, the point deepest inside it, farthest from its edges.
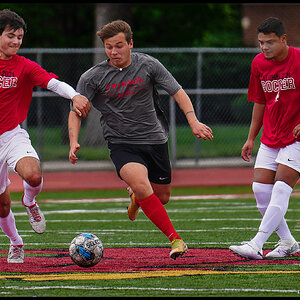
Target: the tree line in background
(67, 25)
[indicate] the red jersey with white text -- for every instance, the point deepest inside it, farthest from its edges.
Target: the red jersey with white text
(18, 76)
(277, 85)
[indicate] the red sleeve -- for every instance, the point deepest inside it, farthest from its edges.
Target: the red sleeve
(39, 76)
(255, 90)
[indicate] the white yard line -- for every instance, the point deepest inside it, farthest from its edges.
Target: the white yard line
(181, 290)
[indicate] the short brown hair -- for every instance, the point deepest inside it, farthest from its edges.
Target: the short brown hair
(111, 29)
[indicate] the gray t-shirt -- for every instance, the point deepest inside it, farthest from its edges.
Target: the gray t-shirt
(127, 99)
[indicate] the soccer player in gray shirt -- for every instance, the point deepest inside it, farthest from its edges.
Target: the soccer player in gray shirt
(122, 88)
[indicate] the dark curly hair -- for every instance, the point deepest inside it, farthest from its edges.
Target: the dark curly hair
(11, 20)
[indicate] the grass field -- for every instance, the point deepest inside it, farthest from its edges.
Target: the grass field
(136, 261)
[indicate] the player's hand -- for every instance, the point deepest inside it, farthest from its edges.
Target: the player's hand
(296, 131)
(72, 154)
(81, 105)
(202, 131)
(247, 150)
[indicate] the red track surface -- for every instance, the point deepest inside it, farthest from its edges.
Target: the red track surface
(135, 259)
(109, 180)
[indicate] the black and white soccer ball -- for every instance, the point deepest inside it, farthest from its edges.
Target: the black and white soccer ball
(86, 250)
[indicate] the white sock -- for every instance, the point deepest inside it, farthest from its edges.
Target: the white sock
(274, 213)
(262, 193)
(30, 192)
(8, 226)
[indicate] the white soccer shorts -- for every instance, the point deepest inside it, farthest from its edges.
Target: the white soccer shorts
(14, 145)
(269, 158)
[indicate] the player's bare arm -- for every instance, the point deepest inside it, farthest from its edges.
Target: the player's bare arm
(255, 126)
(199, 129)
(74, 124)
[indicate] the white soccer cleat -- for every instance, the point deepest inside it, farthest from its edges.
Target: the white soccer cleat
(247, 250)
(16, 254)
(284, 248)
(36, 217)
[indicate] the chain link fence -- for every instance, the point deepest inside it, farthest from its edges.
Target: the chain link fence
(216, 79)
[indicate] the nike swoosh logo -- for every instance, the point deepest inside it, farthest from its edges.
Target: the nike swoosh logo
(162, 178)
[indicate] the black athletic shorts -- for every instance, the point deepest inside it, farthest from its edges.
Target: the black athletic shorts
(154, 157)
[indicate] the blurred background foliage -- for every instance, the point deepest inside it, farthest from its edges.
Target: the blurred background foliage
(72, 25)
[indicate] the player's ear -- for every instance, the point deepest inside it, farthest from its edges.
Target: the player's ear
(283, 38)
(131, 44)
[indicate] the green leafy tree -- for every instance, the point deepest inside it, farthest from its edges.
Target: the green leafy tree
(153, 24)
(187, 24)
(56, 25)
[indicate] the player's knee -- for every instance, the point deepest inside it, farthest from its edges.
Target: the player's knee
(262, 193)
(164, 197)
(141, 189)
(258, 187)
(29, 169)
(164, 200)
(34, 179)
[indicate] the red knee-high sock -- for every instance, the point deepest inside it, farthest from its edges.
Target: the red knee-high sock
(156, 213)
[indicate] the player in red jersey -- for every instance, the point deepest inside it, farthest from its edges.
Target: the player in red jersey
(18, 76)
(275, 90)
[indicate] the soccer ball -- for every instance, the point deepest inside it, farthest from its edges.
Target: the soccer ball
(86, 250)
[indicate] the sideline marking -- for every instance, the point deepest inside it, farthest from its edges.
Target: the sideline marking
(126, 199)
(295, 193)
(182, 290)
(131, 275)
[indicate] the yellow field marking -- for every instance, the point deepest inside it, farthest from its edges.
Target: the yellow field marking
(131, 275)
